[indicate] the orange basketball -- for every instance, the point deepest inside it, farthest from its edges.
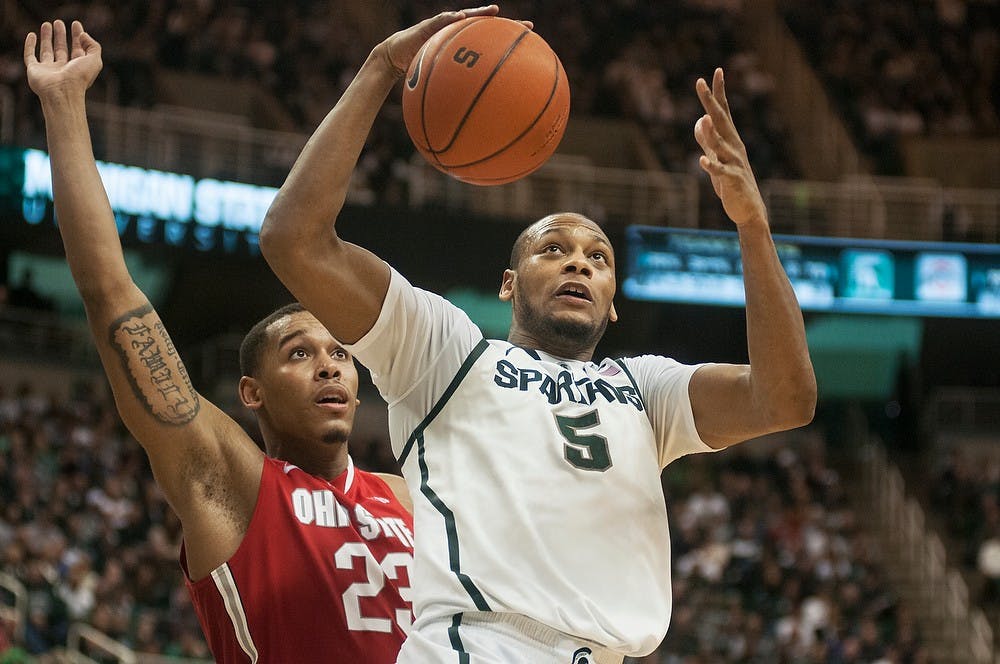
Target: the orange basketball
(486, 100)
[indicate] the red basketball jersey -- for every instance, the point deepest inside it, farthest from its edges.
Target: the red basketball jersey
(322, 575)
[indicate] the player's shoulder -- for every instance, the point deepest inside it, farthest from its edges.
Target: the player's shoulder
(647, 369)
(645, 359)
(377, 482)
(418, 302)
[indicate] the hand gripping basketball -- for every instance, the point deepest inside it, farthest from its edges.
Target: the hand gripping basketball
(400, 48)
(486, 100)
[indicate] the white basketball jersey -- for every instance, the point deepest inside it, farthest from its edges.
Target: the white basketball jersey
(535, 480)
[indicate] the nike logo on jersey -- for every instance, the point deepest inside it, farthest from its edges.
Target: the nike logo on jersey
(563, 387)
(380, 499)
(320, 507)
(287, 468)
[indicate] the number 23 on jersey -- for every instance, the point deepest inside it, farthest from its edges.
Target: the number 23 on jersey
(376, 574)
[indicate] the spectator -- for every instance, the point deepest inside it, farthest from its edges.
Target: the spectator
(799, 584)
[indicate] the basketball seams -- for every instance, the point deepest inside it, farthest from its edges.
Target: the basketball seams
(474, 114)
(541, 113)
(504, 180)
(426, 84)
(475, 100)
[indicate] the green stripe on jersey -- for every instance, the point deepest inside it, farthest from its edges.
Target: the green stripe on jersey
(628, 373)
(417, 437)
(456, 640)
(454, 559)
(455, 382)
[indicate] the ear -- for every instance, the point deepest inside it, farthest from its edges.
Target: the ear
(251, 393)
(507, 286)
(613, 315)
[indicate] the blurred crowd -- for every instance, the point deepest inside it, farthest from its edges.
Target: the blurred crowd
(897, 69)
(770, 565)
(966, 495)
(641, 64)
(85, 529)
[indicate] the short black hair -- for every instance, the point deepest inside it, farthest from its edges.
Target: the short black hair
(520, 247)
(254, 341)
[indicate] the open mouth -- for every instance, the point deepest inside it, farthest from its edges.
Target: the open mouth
(574, 292)
(332, 397)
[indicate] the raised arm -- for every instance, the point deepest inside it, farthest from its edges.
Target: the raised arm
(342, 284)
(196, 451)
(777, 391)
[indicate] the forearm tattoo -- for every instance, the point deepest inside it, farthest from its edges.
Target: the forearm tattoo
(153, 367)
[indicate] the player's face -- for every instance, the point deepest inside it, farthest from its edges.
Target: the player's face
(309, 382)
(563, 287)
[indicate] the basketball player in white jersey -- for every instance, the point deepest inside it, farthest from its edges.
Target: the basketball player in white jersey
(541, 531)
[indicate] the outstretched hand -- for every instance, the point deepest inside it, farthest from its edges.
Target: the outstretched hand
(57, 67)
(725, 159)
(399, 49)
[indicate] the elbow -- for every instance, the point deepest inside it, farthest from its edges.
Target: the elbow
(282, 242)
(287, 244)
(274, 238)
(801, 405)
(796, 407)
(104, 292)
(803, 411)
(287, 232)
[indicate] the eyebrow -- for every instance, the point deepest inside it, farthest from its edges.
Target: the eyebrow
(300, 333)
(288, 337)
(562, 231)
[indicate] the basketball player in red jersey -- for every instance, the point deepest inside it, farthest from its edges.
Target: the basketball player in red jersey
(290, 556)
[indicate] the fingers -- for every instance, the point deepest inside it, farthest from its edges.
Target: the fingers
(719, 89)
(29, 49)
(78, 49)
(714, 101)
(45, 43)
(486, 10)
(700, 135)
(716, 105)
(429, 26)
(446, 18)
(707, 98)
(87, 43)
(59, 49)
(711, 166)
(711, 141)
(51, 43)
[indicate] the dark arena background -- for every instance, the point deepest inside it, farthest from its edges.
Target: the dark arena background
(870, 536)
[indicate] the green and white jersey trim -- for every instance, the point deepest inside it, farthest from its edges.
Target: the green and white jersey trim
(536, 480)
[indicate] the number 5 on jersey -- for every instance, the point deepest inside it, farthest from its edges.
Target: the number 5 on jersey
(584, 451)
